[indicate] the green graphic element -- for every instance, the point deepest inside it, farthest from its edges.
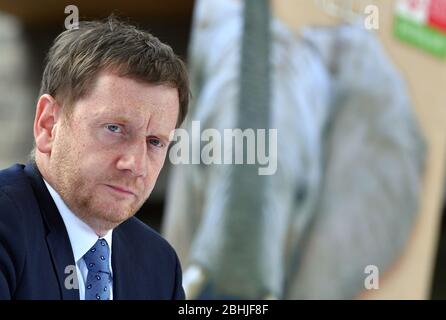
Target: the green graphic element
(420, 35)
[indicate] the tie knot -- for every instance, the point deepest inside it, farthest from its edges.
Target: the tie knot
(97, 258)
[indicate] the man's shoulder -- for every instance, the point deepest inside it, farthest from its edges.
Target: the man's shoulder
(13, 181)
(13, 176)
(17, 210)
(16, 193)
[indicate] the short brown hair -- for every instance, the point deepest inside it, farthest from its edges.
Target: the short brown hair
(78, 55)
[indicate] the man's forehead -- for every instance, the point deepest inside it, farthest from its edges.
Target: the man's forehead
(130, 100)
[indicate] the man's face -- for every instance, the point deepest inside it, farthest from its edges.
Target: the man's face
(107, 155)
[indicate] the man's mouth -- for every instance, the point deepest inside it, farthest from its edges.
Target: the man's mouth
(122, 190)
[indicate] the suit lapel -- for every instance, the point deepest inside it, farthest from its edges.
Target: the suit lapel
(132, 279)
(121, 266)
(57, 237)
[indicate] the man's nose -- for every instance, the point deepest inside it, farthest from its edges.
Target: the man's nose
(135, 159)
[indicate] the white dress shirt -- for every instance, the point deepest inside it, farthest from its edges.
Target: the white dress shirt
(82, 238)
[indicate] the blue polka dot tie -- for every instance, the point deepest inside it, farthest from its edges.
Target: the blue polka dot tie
(97, 286)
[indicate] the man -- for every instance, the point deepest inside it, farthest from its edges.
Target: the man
(110, 97)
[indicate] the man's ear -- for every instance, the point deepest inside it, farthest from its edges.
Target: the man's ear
(47, 116)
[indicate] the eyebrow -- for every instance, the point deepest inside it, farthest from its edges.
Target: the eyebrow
(118, 119)
(109, 114)
(162, 137)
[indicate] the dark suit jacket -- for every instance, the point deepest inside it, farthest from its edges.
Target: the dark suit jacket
(35, 249)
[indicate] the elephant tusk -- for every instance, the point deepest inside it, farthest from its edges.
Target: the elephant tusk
(194, 279)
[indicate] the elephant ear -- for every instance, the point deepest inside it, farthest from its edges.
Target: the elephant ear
(374, 158)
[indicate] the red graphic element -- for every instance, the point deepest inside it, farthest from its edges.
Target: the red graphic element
(437, 14)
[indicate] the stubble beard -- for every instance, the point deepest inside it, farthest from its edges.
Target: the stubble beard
(72, 186)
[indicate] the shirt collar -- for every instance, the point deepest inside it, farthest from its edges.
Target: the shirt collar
(82, 236)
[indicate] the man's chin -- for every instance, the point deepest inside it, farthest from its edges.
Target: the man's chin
(118, 214)
(102, 223)
(109, 217)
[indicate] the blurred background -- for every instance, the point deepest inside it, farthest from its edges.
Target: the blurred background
(388, 81)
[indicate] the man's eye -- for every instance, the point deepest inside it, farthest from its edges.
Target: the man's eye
(156, 142)
(113, 128)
